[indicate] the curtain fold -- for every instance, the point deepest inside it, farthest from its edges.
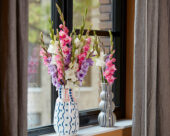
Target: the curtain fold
(152, 68)
(13, 67)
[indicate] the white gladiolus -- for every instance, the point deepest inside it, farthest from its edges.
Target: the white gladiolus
(95, 52)
(53, 47)
(53, 61)
(100, 60)
(75, 67)
(70, 74)
(77, 52)
(56, 43)
(77, 42)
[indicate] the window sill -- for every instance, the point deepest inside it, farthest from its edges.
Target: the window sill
(96, 130)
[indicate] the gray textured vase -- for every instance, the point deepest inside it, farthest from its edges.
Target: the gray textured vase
(106, 117)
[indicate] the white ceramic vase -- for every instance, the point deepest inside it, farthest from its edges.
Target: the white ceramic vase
(66, 114)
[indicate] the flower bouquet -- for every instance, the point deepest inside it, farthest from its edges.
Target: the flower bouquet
(106, 63)
(67, 57)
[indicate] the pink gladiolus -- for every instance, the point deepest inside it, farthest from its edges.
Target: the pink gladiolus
(112, 69)
(61, 26)
(88, 40)
(106, 73)
(62, 34)
(113, 60)
(82, 56)
(59, 62)
(60, 77)
(59, 71)
(86, 48)
(111, 56)
(109, 63)
(110, 79)
(59, 65)
(62, 43)
(66, 50)
(60, 74)
(57, 57)
(66, 30)
(67, 40)
(42, 52)
(70, 39)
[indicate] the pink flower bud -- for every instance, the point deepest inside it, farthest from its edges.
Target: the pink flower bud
(61, 26)
(88, 40)
(86, 48)
(62, 34)
(66, 30)
(109, 63)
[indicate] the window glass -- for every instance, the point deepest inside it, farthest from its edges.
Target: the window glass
(98, 16)
(39, 83)
(89, 95)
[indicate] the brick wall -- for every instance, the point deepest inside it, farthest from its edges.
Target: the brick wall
(105, 21)
(105, 14)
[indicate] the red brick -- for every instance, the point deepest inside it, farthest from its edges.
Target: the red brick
(105, 40)
(105, 1)
(105, 16)
(106, 25)
(107, 49)
(105, 8)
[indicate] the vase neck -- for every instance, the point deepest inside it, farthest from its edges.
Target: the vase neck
(106, 87)
(60, 92)
(65, 94)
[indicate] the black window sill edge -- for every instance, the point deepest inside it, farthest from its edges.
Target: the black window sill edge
(120, 124)
(87, 118)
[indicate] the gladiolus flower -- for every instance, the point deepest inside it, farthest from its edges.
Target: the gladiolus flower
(86, 48)
(88, 40)
(62, 34)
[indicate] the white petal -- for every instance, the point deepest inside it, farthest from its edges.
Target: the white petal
(53, 61)
(52, 48)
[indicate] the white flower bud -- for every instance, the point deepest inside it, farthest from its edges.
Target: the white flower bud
(100, 60)
(53, 61)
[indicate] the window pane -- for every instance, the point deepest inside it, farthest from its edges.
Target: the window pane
(98, 16)
(39, 84)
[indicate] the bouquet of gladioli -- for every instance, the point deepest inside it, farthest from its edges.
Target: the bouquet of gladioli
(68, 56)
(106, 63)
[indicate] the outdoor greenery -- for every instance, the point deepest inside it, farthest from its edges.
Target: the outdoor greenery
(79, 9)
(40, 10)
(39, 13)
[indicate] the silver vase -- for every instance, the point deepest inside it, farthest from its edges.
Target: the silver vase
(106, 117)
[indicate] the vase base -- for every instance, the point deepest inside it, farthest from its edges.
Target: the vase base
(65, 135)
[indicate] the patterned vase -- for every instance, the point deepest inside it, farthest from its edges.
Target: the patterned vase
(106, 117)
(66, 114)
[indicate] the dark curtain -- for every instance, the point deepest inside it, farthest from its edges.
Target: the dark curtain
(13, 67)
(151, 110)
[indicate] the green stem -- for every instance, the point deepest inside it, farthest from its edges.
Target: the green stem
(101, 74)
(62, 57)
